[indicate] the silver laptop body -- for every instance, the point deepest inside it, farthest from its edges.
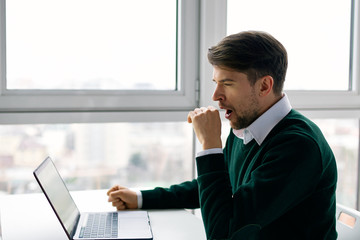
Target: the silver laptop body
(105, 225)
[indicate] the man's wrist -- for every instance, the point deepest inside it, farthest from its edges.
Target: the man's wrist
(212, 144)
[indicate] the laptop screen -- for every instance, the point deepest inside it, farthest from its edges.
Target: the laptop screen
(58, 195)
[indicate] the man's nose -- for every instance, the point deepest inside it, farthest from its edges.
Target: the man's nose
(218, 95)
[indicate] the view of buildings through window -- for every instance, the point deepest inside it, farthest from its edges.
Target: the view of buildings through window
(95, 156)
(343, 138)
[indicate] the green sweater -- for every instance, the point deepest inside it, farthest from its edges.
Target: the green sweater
(283, 189)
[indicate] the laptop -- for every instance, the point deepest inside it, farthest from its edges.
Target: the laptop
(90, 225)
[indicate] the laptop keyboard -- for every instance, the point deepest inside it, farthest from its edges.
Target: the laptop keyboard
(100, 225)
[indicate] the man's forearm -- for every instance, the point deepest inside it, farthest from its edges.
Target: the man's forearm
(184, 195)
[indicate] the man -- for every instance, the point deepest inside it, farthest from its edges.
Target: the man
(276, 176)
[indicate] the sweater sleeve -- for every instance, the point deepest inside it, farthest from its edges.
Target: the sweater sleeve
(184, 195)
(286, 173)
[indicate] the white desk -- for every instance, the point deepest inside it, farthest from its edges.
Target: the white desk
(36, 220)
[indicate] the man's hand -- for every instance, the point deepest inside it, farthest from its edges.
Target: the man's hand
(122, 198)
(207, 126)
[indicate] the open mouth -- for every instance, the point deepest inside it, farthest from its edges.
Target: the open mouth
(228, 113)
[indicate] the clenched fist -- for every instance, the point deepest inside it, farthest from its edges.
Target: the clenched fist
(207, 126)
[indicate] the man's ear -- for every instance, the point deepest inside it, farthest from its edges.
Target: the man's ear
(266, 84)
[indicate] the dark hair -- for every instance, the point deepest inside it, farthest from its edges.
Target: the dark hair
(254, 53)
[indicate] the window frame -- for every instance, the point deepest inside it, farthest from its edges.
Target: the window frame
(93, 101)
(337, 100)
(301, 100)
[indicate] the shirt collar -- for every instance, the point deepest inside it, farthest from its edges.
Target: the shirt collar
(262, 126)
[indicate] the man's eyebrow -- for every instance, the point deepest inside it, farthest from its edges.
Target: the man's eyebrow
(223, 80)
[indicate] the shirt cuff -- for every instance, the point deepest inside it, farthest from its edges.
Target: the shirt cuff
(139, 198)
(209, 151)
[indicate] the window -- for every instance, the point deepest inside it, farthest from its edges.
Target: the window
(89, 44)
(71, 71)
(97, 156)
(343, 138)
(98, 55)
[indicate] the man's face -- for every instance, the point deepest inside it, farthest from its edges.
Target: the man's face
(236, 96)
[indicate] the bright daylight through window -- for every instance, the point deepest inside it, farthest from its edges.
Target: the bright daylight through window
(91, 44)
